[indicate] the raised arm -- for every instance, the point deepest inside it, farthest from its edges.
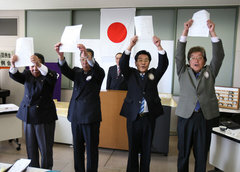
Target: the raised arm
(217, 49)
(13, 71)
(65, 69)
(162, 59)
(181, 48)
(124, 61)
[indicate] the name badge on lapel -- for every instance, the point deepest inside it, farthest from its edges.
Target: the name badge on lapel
(89, 78)
(151, 76)
(206, 75)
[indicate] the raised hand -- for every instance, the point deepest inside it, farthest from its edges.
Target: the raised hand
(187, 25)
(157, 43)
(133, 42)
(57, 48)
(211, 27)
(35, 60)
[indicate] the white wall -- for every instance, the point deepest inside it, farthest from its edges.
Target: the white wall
(63, 4)
(8, 43)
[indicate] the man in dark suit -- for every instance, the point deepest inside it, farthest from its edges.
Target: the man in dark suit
(142, 104)
(197, 108)
(37, 109)
(115, 78)
(84, 111)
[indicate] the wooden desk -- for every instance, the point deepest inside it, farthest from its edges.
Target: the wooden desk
(113, 132)
(225, 149)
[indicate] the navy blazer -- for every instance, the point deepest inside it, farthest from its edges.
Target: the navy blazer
(115, 82)
(37, 106)
(84, 107)
(138, 88)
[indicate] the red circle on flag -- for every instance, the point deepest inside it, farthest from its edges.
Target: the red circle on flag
(117, 32)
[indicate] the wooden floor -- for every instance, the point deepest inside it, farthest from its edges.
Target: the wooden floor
(109, 160)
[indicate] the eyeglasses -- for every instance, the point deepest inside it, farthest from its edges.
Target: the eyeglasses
(143, 60)
(196, 58)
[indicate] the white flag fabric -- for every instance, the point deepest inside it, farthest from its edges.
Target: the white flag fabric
(116, 30)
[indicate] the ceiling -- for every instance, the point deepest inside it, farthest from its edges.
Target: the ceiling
(73, 4)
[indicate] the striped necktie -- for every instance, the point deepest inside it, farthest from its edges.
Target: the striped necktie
(142, 106)
(143, 100)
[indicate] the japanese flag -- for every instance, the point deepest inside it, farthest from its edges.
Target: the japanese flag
(116, 30)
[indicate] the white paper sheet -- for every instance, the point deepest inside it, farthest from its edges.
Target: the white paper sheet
(199, 27)
(20, 165)
(24, 50)
(144, 27)
(8, 108)
(70, 38)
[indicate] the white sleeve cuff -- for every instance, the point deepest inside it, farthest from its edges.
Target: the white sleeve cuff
(13, 70)
(215, 39)
(61, 62)
(183, 39)
(127, 52)
(162, 52)
(43, 69)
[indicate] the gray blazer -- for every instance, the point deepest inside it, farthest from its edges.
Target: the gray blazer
(200, 89)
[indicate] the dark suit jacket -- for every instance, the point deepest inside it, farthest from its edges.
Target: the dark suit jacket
(37, 105)
(115, 82)
(146, 88)
(201, 89)
(85, 105)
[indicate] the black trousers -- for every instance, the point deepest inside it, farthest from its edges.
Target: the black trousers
(85, 134)
(40, 137)
(194, 132)
(140, 135)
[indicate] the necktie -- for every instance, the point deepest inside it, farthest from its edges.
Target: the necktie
(143, 100)
(118, 71)
(197, 107)
(142, 106)
(142, 75)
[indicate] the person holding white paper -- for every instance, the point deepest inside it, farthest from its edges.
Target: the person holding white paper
(84, 110)
(37, 109)
(197, 108)
(142, 104)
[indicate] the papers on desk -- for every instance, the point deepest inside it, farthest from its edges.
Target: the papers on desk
(20, 165)
(228, 132)
(8, 108)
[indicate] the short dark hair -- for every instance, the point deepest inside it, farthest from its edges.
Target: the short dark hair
(118, 53)
(143, 52)
(197, 49)
(41, 57)
(90, 51)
